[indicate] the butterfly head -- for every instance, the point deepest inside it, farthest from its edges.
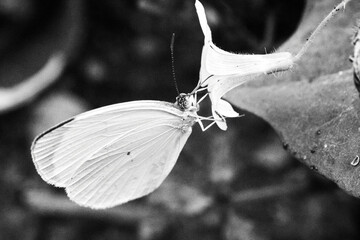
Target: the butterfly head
(187, 102)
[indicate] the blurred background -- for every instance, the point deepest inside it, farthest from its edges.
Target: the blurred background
(238, 184)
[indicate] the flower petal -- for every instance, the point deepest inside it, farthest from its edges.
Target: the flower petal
(222, 71)
(220, 121)
(225, 109)
(216, 61)
(202, 19)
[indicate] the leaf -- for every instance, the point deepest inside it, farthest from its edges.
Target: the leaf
(315, 108)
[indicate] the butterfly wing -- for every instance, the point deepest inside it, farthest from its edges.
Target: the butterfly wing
(113, 154)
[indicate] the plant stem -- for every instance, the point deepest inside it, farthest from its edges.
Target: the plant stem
(323, 23)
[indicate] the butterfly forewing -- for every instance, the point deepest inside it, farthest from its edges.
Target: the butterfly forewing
(113, 154)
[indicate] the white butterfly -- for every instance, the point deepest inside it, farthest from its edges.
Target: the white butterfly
(117, 153)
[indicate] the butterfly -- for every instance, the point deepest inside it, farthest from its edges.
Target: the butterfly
(117, 153)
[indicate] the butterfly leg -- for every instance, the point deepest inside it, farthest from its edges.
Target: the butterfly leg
(195, 92)
(202, 98)
(208, 126)
(203, 128)
(197, 89)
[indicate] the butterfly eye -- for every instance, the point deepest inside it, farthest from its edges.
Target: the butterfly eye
(182, 101)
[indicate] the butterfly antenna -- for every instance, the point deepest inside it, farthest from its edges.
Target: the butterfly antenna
(173, 61)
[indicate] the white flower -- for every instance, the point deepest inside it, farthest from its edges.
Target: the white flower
(222, 71)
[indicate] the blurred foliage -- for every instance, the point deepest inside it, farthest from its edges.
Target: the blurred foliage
(239, 184)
